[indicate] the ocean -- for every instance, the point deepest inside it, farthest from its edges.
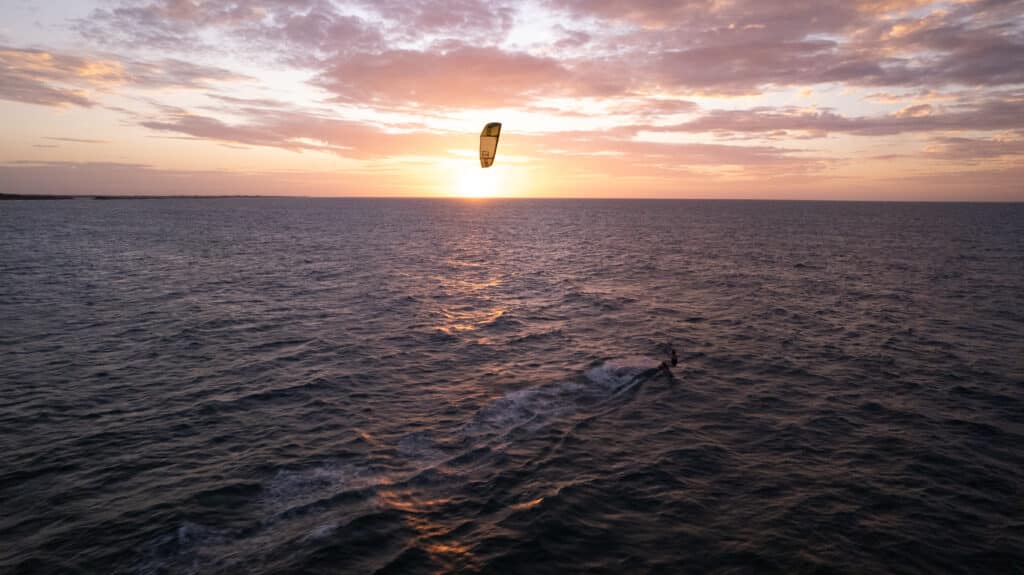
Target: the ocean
(457, 386)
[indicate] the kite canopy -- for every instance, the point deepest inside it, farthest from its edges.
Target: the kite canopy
(489, 143)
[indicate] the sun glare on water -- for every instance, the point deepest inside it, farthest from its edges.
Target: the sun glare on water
(476, 182)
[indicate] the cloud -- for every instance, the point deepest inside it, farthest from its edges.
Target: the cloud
(40, 77)
(392, 51)
(294, 33)
(571, 39)
(317, 34)
(993, 114)
(977, 43)
(78, 140)
(298, 131)
(744, 46)
(173, 73)
(458, 77)
(51, 78)
(746, 67)
(792, 19)
(739, 46)
(609, 151)
(976, 150)
(478, 21)
(166, 24)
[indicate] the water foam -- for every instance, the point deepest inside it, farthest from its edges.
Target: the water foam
(616, 374)
(533, 407)
(530, 407)
(290, 489)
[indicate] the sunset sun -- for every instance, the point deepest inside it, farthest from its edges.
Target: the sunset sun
(472, 181)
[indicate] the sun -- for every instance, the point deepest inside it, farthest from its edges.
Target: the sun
(472, 181)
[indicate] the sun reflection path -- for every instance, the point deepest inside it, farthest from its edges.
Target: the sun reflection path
(471, 309)
(430, 534)
(462, 320)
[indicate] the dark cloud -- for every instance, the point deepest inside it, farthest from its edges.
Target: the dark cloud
(571, 39)
(699, 19)
(996, 114)
(478, 21)
(977, 150)
(297, 32)
(167, 24)
(745, 67)
(319, 33)
(747, 45)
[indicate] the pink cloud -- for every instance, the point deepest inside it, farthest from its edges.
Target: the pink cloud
(611, 151)
(297, 131)
(460, 77)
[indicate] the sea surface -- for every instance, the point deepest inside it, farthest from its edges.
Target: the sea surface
(455, 386)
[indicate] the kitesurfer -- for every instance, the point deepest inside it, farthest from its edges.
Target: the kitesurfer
(672, 361)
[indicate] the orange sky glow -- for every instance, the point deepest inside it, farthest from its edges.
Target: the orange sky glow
(845, 100)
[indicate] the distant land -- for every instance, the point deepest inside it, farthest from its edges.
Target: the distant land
(37, 197)
(112, 197)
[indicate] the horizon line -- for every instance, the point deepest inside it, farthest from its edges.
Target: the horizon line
(38, 197)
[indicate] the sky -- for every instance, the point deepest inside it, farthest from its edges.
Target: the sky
(818, 99)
